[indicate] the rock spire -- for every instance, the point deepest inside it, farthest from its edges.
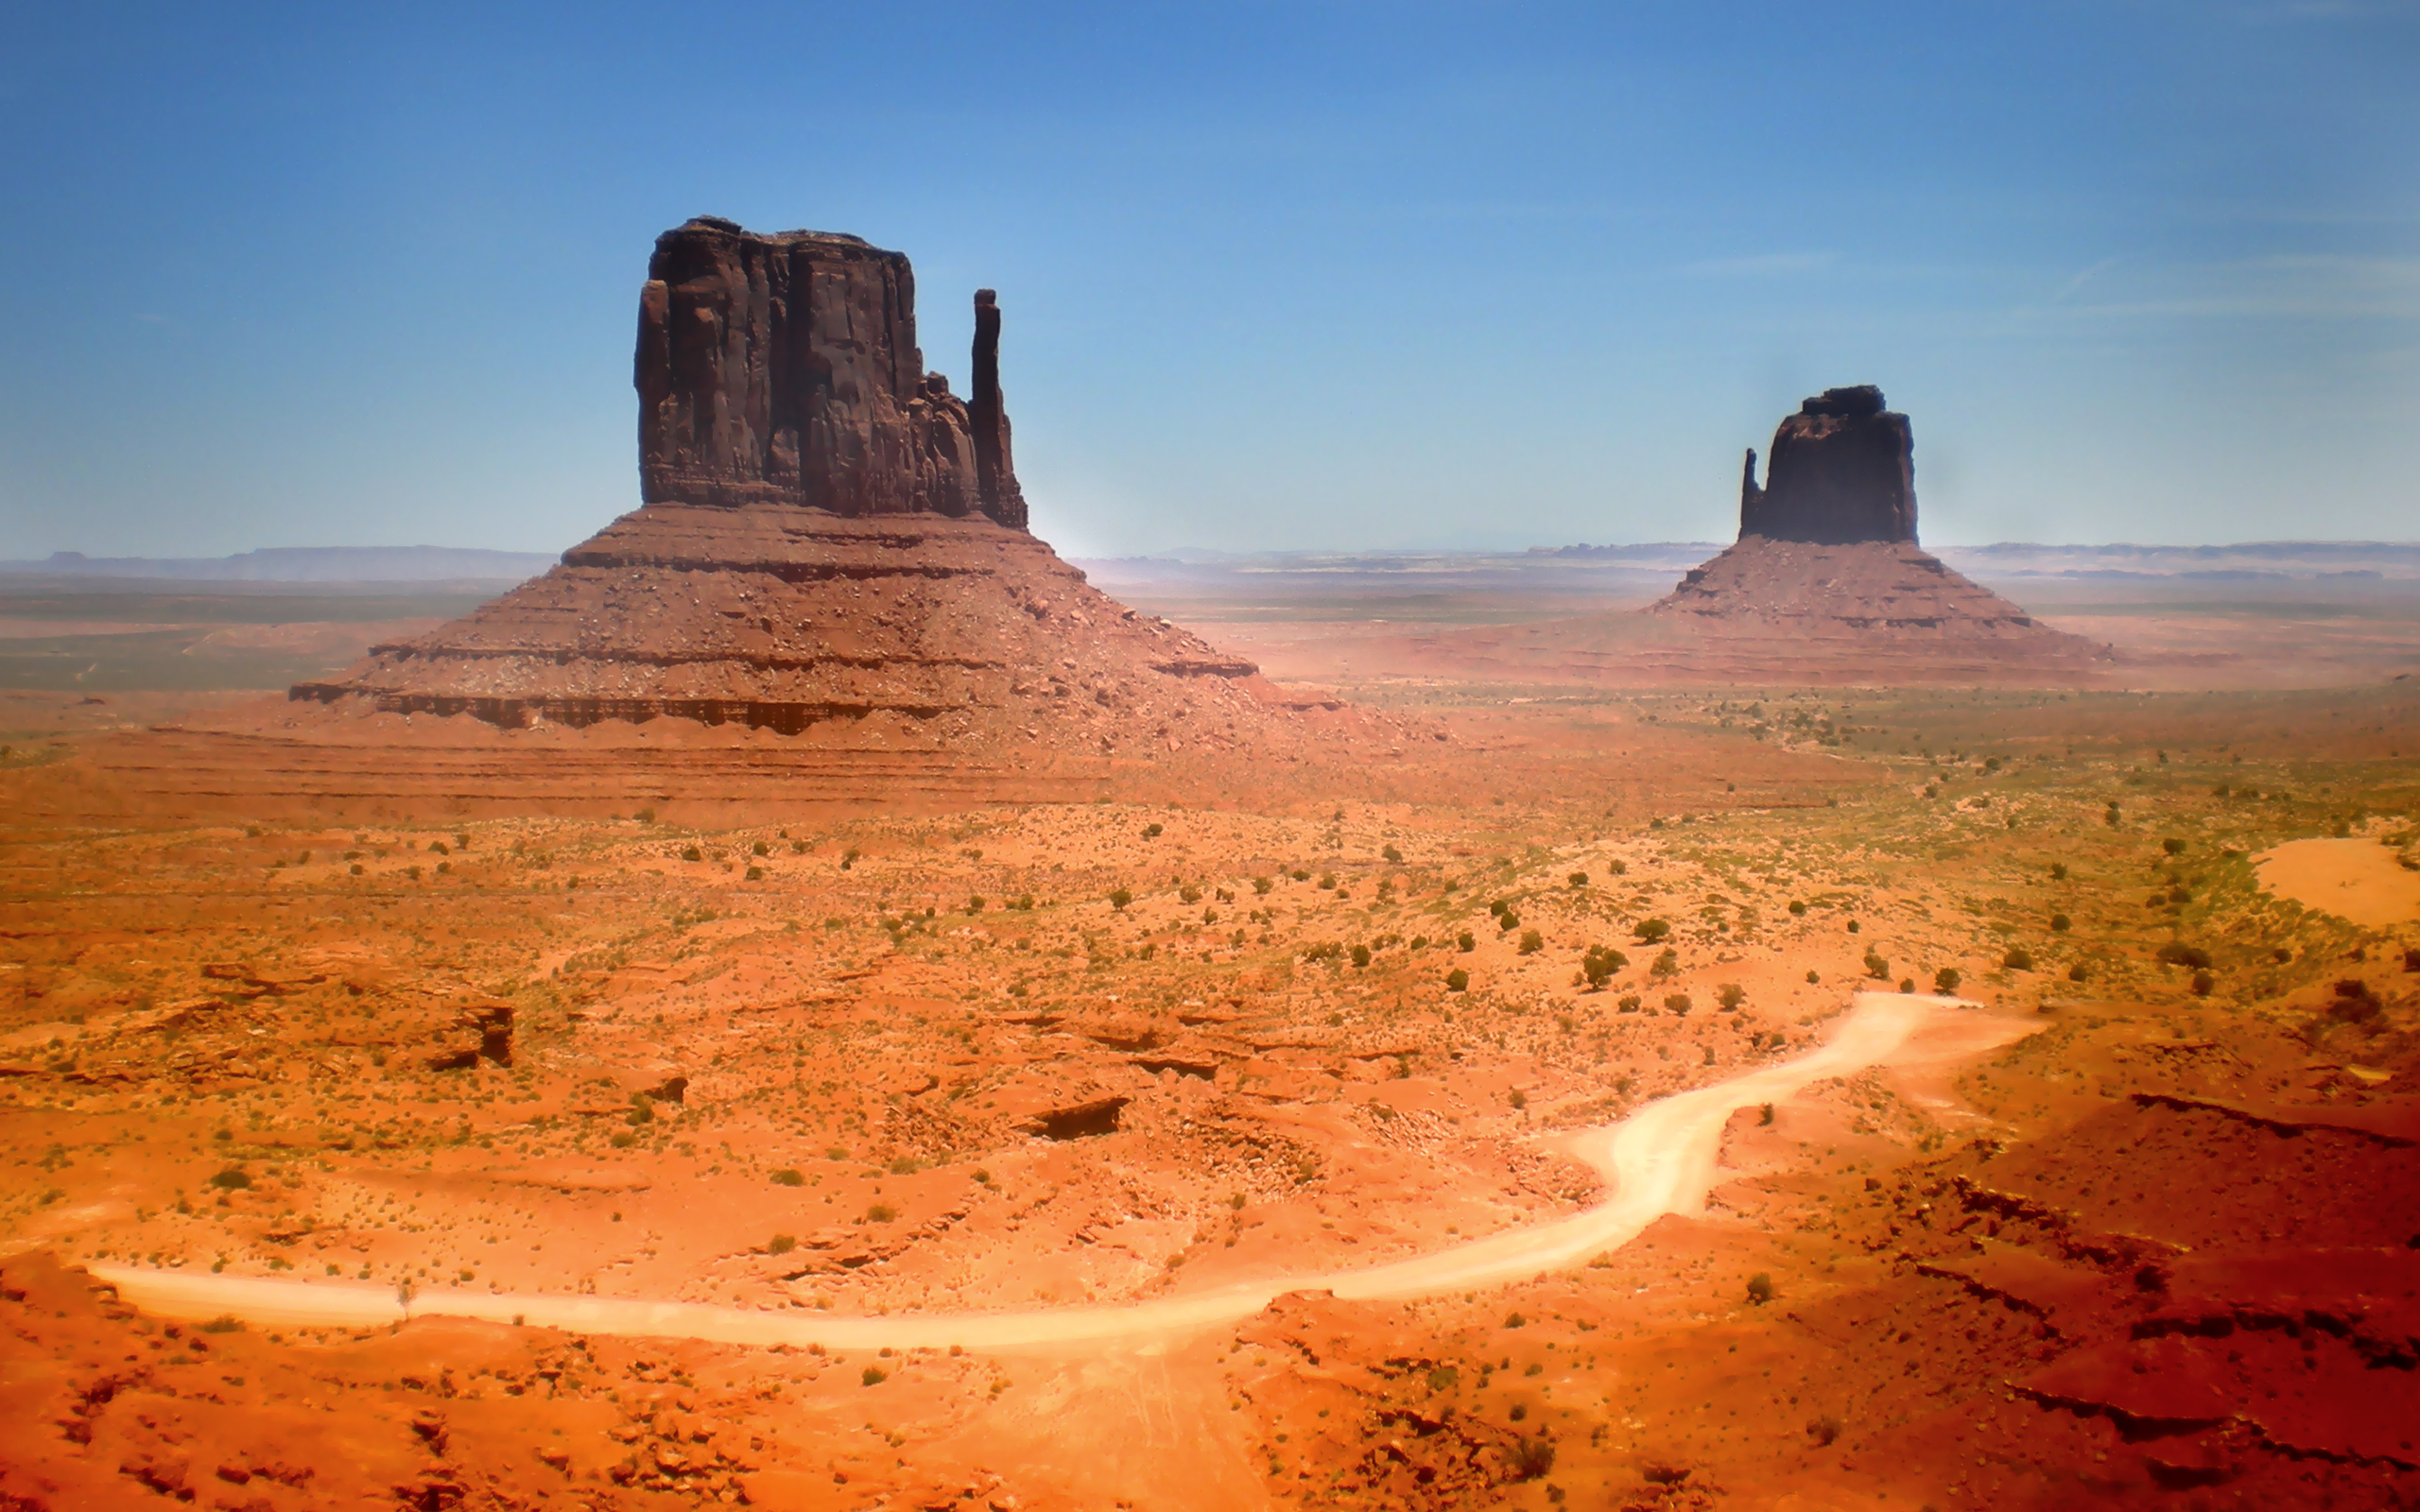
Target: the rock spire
(1843, 470)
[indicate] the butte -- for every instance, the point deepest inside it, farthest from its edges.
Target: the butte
(827, 593)
(1826, 577)
(1825, 585)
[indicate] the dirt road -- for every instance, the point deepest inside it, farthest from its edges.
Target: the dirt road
(1660, 1160)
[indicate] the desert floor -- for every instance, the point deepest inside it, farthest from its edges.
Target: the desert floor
(946, 1098)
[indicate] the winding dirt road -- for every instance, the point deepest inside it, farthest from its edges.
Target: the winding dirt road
(1660, 1160)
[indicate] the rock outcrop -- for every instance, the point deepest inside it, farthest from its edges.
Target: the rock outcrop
(1826, 580)
(784, 369)
(1843, 470)
(832, 548)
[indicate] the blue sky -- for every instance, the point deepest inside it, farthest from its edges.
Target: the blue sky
(1282, 275)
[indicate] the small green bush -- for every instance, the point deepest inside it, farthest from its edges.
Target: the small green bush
(1360, 954)
(872, 1375)
(1677, 1002)
(1875, 967)
(1465, 941)
(1531, 942)
(1652, 930)
(1457, 980)
(1946, 980)
(1121, 897)
(1730, 994)
(1628, 1003)
(789, 1177)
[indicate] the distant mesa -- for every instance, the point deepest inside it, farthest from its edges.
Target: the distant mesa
(1826, 580)
(830, 543)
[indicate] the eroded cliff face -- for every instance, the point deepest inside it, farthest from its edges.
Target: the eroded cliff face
(1843, 470)
(784, 368)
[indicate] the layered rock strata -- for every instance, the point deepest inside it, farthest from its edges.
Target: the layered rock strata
(786, 619)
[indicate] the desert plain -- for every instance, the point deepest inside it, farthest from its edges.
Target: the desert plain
(1557, 1089)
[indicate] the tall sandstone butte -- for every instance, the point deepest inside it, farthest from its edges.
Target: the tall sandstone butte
(831, 545)
(1826, 582)
(784, 368)
(1844, 469)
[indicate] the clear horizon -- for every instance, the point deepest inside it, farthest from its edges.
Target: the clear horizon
(1276, 278)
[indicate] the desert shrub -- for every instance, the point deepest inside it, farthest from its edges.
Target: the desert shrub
(760, 848)
(1760, 1285)
(1600, 963)
(1797, 908)
(1813, 977)
(872, 1375)
(1531, 942)
(2078, 974)
(223, 1323)
(233, 1178)
(2204, 984)
(2017, 960)
(791, 1176)
(1514, 1321)
(1457, 980)
(1189, 893)
(881, 1212)
(2176, 952)
(1444, 1378)
(1300, 873)
(1617, 867)
(755, 874)
(1420, 942)
(798, 847)
(1765, 1114)
(1906, 984)
(780, 1245)
(1667, 963)
(1629, 1003)
(1508, 920)
(690, 853)
(1825, 1430)
(1577, 879)
(1652, 930)
(1465, 941)
(1946, 980)
(1853, 926)
(1518, 1099)
(1121, 896)
(974, 904)
(1327, 879)
(1153, 832)
(905, 1166)
(1677, 1002)
(1261, 885)
(1875, 967)
(2060, 923)
(1392, 855)
(1360, 954)
(1730, 994)
(1532, 1457)
(2354, 1002)
(2172, 846)
(2411, 960)
(2058, 872)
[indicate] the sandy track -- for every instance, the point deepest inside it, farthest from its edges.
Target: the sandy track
(1660, 1160)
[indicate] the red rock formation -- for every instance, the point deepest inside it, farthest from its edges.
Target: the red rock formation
(784, 369)
(1843, 470)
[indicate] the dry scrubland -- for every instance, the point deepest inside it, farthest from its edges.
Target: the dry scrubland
(2159, 1250)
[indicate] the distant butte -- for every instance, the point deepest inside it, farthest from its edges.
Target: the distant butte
(1827, 578)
